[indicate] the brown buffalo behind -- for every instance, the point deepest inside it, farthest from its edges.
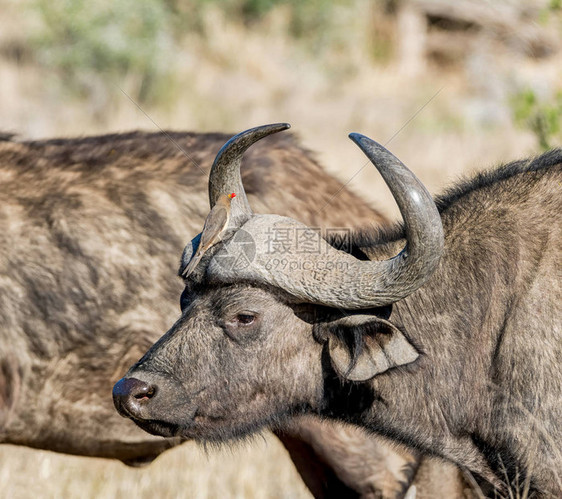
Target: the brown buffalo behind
(90, 233)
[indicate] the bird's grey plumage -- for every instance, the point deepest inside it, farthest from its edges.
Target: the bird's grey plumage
(215, 224)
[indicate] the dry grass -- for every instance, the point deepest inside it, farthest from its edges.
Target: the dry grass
(235, 78)
(260, 469)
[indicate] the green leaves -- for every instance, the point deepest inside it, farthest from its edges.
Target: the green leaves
(80, 37)
(542, 117)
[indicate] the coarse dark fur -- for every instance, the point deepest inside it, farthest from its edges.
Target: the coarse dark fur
(90, 232)
(485, 390)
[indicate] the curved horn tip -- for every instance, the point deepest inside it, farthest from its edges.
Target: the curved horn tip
(356, 137)
(225, 177)
(271, 128)
(365, 142)
(377, 153)
(243, 140)
(274, 127)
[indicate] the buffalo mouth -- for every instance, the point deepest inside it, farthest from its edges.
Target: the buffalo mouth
(158, 427)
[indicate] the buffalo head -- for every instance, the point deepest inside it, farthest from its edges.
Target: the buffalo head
(260, 304)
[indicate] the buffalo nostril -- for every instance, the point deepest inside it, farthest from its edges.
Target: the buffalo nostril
(146, 393)
(130, 393)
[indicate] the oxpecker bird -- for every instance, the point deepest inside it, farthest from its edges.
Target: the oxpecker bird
(215, 224)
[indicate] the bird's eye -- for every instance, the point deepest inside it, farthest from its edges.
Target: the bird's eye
(245, 319)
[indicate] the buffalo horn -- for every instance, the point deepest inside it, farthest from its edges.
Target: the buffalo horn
(225, 173)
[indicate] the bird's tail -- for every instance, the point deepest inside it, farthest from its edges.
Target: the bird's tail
(190, 267)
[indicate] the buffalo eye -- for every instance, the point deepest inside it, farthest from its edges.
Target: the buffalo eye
(245, 319)
(242, 327)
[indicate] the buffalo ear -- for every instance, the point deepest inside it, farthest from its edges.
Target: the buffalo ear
(362, 346)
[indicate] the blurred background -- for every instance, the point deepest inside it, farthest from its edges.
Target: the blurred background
(449, 87)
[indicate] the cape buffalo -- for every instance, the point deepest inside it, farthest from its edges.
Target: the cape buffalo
(447, 337)
(90, 229)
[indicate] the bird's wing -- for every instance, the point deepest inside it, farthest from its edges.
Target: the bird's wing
(215, 223)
